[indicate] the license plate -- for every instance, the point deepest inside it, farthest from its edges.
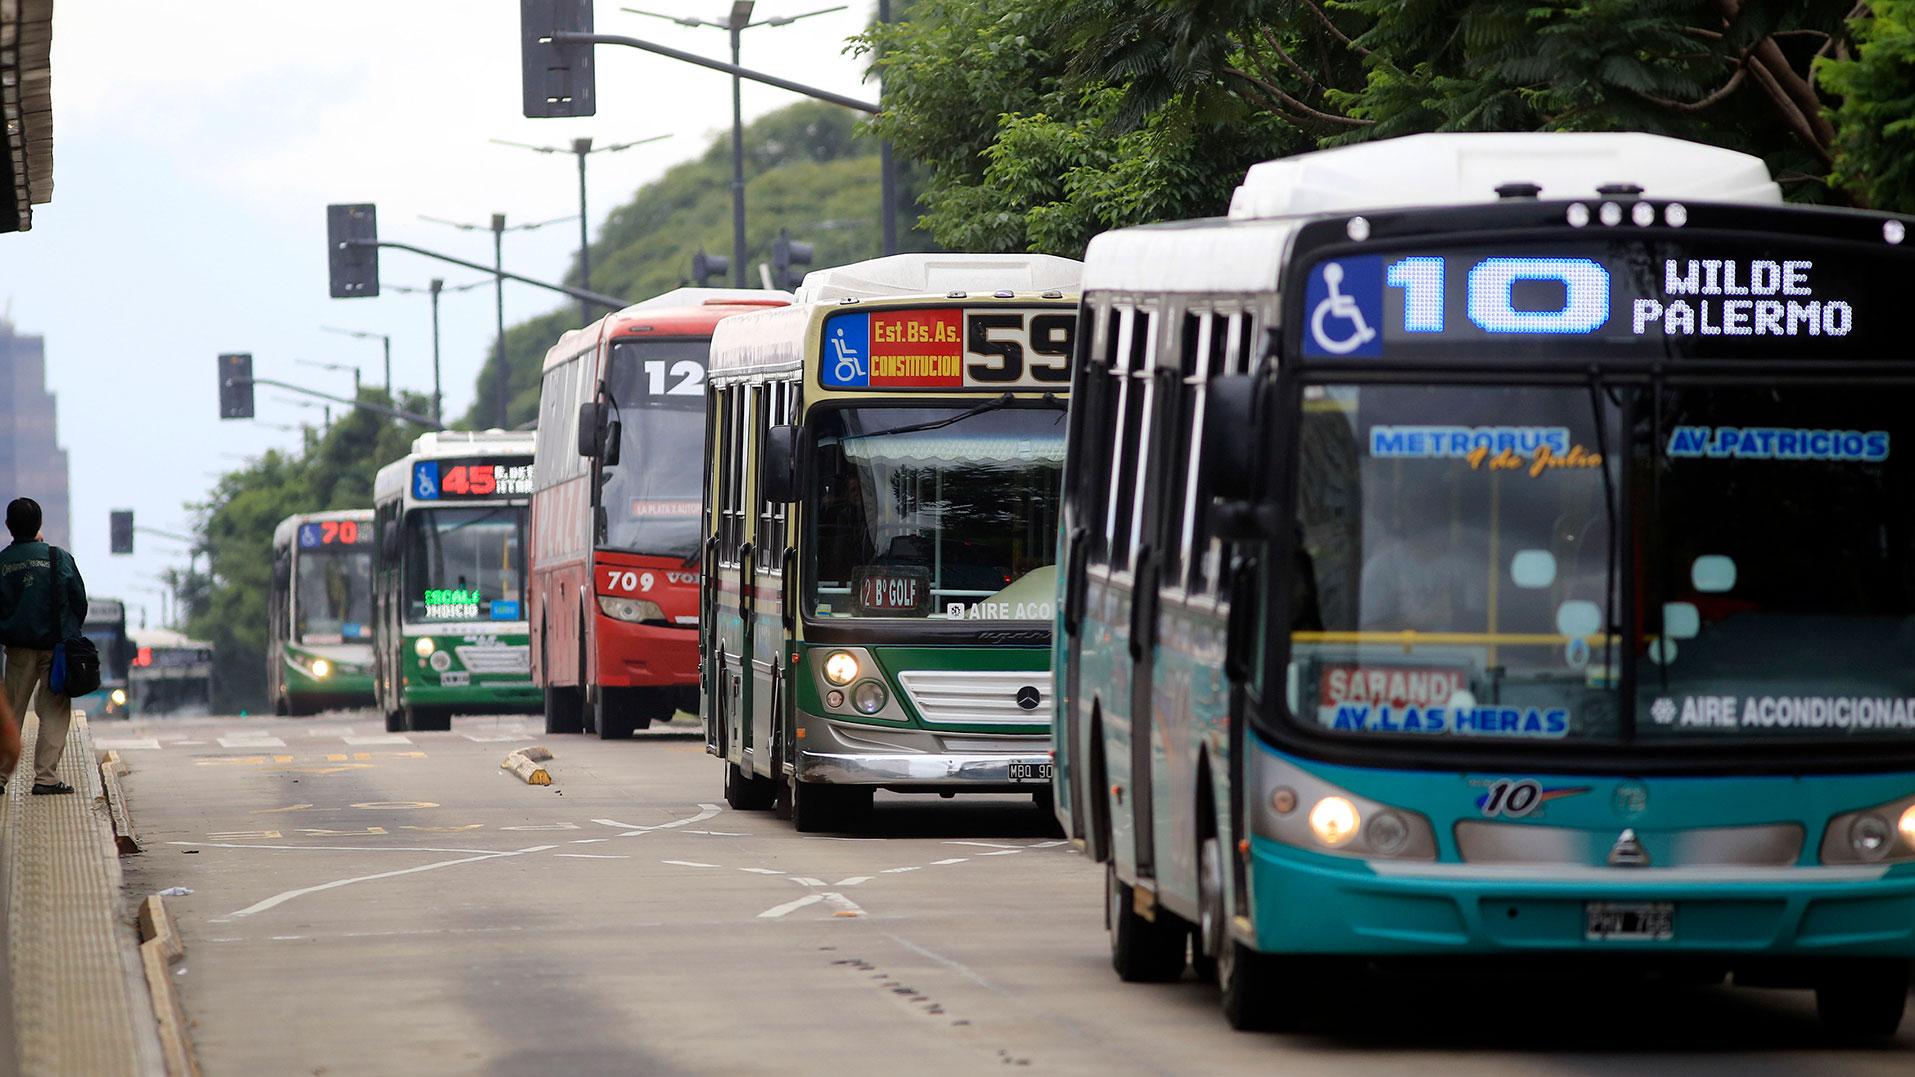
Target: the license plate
(1651, 921)
(1031, 772)
(456, 679)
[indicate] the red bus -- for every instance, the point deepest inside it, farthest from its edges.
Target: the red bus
(612, 596)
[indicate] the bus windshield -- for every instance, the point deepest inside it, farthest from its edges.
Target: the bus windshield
(109, 638)
(465, 564)
(935, 512)
(652, 498)
(332, 600)
(1462, 564)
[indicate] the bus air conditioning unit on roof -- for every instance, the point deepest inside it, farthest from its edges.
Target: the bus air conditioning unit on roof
(1447, 169)
(938, 274)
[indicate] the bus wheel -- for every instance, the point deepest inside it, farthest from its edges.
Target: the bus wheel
(747, 792)
(395, 721)
(1863, 999)
(562, 710)
(428, 719)
(1142, 951)
(1213, 933)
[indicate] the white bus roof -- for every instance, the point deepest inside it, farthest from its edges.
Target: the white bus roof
(287, 528)
(1245, 252)
(391, 480)
(573, 341)
(1452, 168)
(940, 274)
(164, 637)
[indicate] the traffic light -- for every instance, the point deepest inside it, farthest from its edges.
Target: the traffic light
(557, 79)
(352, 250)
(120, 530)
(236, 385)
(785, 253)
(706, 266)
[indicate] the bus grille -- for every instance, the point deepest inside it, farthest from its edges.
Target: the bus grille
(496, 659)
(978, 698)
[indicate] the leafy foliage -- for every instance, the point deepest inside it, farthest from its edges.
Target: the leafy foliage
(1875, 120)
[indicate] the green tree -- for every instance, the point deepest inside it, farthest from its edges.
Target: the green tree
(226, 603)
(806, 169)
(1875, 118)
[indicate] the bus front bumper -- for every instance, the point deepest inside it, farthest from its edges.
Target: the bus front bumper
(520, 697)
(844, 754)
(1307, 902)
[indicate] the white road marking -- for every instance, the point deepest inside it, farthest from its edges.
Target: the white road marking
(595, 856)
(282, 898)
(896, 871)
(180, 743)
(806, 880)
(985, 844)
(779, 911)
(338, 848)
(845, 904)
(128, 744)
(378, 738)
(953, 860)
(706, 811)
(588, 841)
(1049, 844)
(251, 740)
(491, 738)
(1002, 852)
(956, 966)
(854, 880)
(762, 871)
(719, 833)
(681, 863)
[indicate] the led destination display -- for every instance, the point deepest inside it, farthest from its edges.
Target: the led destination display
(1734, 298)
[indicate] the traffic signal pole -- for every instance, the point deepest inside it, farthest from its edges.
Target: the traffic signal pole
(379, 409)
(569, 37)
(610, 302)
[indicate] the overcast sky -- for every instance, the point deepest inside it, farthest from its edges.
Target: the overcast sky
(196, 146)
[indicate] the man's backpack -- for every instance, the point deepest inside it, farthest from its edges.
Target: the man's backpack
(76, 661)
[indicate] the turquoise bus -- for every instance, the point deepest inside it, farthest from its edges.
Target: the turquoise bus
(319, 616)
(106, 627)
(449, 631)
(1494, 546)
(883, 460)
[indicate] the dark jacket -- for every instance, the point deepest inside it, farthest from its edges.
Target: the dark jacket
(27, 605)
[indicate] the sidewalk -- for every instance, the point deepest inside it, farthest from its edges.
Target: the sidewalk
(79, 997)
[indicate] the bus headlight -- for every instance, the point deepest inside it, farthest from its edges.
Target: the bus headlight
(868, 697)
(423, 646)
(1299, 809)
(440, 662)
(841, 668)
(1874, 835)
(1334, 820)
(633, 610)
(119, 700)
(322, 668)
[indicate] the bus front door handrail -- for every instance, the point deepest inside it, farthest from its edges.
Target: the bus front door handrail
(787, 594)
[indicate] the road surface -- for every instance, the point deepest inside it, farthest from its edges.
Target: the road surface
(365, 902)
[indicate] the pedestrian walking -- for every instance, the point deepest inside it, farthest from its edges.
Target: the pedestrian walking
(41, 593)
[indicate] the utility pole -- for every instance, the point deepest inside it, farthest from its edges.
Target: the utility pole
(887, 166)
(736, 25)
(502, 396)
(582, 148)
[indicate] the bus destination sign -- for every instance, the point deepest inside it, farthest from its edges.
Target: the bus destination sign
(322, 534)
(466, 480)
(948, 348)
(1731, 298)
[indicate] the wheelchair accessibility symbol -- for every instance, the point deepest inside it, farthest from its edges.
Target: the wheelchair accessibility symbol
(425, 480)
(1345, 300)
(847, 357)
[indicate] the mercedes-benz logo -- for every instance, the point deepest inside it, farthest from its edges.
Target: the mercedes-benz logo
(1027, 697)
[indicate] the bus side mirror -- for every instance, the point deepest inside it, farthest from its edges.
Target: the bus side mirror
(591, 428)
(1230, 438)
(123, 652)
(778, 465)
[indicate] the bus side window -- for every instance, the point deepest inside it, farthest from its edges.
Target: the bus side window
(1091, 419)
(764, 406)
(1131, 441)
(727, 474)
(1156, 416)
(771, 515)
(1210, 559)
(1181, 445)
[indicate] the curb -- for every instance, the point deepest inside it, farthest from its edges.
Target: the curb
(125, 838)
(528, 765)
(160, 947)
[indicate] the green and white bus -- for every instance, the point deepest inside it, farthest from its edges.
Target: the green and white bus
(1497, 546)
(449, 631)
(880, 519)
(319, 617)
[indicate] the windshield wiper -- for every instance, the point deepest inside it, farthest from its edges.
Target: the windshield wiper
(997, 403)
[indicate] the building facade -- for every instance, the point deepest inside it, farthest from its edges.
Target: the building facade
(32, 463)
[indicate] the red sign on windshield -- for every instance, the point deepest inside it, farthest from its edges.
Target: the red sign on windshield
(888, 590)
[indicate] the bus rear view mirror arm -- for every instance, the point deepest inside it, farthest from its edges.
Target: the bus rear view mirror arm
(778, 476)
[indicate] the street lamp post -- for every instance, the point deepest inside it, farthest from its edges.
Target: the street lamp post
(353, 370)
(736, 25)
(502, 393)
(438, 400)
(582, 148)
(384, 340)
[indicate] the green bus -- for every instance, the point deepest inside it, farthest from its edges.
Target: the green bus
(319, 617)
(883, 460)
(449, 633)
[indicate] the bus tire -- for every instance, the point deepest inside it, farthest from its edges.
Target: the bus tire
(1246, 982)
(1213, 929)
(395, 721)
(1863, 1000)
(562, 710)
(1142, 951)
(747, 792)
(428, 719)
(817, 807)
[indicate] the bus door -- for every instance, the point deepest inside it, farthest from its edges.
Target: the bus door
(772, 606)
(1144, 420)
(734, 574)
